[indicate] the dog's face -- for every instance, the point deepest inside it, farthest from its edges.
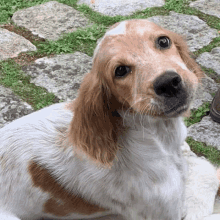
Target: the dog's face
(137, 67)
(147, 68)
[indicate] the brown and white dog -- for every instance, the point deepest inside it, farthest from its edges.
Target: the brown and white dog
(116, 149)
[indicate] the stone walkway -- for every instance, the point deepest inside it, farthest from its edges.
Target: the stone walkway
(62, 74)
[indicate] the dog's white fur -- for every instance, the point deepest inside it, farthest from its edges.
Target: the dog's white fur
(44, 175)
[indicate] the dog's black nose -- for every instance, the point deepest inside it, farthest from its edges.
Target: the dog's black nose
(167, 84)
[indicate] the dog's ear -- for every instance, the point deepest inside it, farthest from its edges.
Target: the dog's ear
(185, 55)
(95, 125)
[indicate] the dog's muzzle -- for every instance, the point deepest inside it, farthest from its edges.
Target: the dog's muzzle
(169, 88)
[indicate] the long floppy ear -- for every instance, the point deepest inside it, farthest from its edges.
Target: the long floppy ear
(185, 55)
(96, 123)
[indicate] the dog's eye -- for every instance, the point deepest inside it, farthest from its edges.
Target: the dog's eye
(122, 71)
(163, 42)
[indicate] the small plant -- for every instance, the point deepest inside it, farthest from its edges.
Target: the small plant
(13, 77)
(201, 149)
(175, 5)
(198, 114)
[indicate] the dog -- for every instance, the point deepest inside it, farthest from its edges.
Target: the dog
(118, 147)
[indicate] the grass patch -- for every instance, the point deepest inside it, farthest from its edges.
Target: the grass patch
(97, 17)
(212, 21)
(201, 149)
(176, 5)
(197, 115)
(107, 21)
(83, 40)
(182, 6)
(214, 43)
(8, 8)
(11, 76)
(212, 74)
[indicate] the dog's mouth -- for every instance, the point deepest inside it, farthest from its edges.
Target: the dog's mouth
(175, 106)
(176, 110)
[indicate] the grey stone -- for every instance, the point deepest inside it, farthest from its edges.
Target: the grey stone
(11, 107)
(12, 44)
(50, 20)
(61, 75)
(204, 91)
(196, 32)
(211, 7)
(211, 59)
(121, 7)
(206, 131)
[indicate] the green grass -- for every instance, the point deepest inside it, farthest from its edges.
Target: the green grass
(80, 40)
(201, 149)
(176, 5)
(12, 76)
(198, 114)
(7, 8)
(214, 43)
(212, 74)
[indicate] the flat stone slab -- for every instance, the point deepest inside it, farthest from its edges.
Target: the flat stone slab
(11, 107)
(211, 7)
(196, 32)
(50, 20)
(120, 7)
(206, 131)
(204, 91)
(61, 75)
(211, 59)
(12, 44)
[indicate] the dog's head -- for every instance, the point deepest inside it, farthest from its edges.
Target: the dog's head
(138, 67)
(147, 68)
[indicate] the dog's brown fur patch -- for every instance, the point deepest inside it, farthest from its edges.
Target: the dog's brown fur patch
(61, 202)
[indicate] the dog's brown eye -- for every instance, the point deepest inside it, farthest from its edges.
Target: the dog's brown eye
(122, 71)
(163, 42)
